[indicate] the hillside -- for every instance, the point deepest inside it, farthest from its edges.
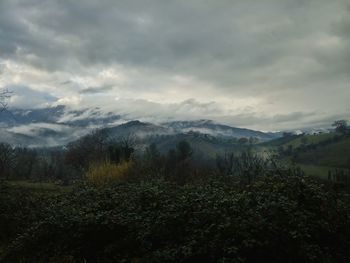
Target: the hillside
(217, 129)
(204, 146)
(316, 154)
(282, 141)
(310, 139)
(335, 154)
(138, 129)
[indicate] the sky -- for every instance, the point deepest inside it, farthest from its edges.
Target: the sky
(262, 64)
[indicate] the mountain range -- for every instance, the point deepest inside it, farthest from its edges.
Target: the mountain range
(57, 126)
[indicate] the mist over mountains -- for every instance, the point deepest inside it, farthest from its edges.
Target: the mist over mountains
(57, 126)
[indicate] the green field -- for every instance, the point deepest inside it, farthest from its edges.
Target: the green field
(334, 155)
(313, 156)
(309, 139)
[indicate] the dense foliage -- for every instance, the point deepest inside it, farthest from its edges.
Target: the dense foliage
(153, 206)
(277, 218)
(19, 209)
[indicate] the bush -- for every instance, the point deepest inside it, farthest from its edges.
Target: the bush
(105, 173)
(19, 209)
(278, 218)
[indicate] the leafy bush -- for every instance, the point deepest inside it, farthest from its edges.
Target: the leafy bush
(278, 218)
(19, 209)
(105, 173)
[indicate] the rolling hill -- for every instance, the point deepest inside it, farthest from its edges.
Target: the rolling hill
(334, 154)
(315, 154)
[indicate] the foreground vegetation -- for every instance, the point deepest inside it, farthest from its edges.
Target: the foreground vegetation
(278, 217)
(98, 201)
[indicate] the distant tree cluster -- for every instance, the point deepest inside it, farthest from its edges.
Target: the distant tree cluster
(35, 164)
(94, 152)
(16, 162)
(245, 167)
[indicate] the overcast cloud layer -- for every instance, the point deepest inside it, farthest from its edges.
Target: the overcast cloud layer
(264, 64)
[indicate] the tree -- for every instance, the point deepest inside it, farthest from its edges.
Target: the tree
(152, 153)
(153, 158)
(121, 150)
(127, 146)
(341, 126)
(114, 153)
(243, 141)
(184, 150)
(304, 140)
(253, 140)
(225, 163)
(170, 162)
(25, 160)
(287, 134)
(5, 94)
(88, 149)
(6, 160)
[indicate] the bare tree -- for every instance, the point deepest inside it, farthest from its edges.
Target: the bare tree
(121, 148)
(5, 94)
(6, 160)
(341, 126)
(90, 148)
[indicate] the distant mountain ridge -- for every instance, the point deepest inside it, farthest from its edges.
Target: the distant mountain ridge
(212, 128)
(54, 115)
(55, 126)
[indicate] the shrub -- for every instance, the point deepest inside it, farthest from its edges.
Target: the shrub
(278, 218)
(19, 209)
(104, 173)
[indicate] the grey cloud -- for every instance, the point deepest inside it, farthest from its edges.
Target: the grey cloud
(96, 90)
(25, 97)
(294, 116)
(2, 69)
(173, 35)
(67, 82)
(193, 110)
(281, 51)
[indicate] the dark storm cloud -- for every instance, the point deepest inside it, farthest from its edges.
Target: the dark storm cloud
(280, 53)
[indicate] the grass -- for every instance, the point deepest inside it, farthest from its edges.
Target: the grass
(321, 159)
(37, 186)
(316, 170)
(297, 140)
(105, 173)
(317, 138)
(279, 141)
(333, 155)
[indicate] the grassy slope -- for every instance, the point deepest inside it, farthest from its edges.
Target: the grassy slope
(317, 138)
(316, 170)
(320, 160)
(334, 155)
(280, 141)
(296, 140)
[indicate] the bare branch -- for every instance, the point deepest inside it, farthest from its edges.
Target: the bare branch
(5, 94)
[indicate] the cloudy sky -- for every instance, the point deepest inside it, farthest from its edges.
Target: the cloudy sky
(263, 64)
